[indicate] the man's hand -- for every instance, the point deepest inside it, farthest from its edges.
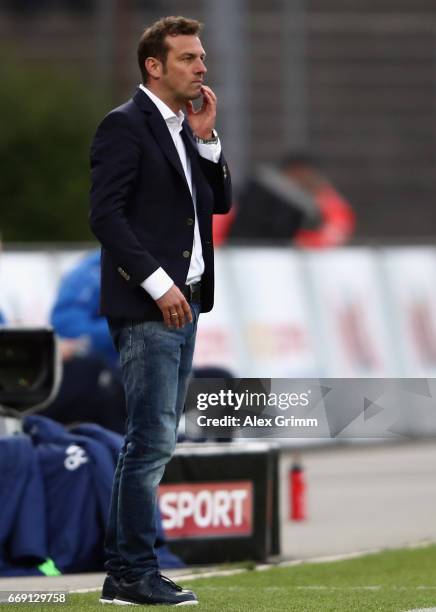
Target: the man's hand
(175, 309)
(202, 122)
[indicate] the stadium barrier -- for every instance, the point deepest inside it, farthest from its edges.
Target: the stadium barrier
(351, 312)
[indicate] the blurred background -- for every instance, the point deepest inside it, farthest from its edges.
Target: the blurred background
(353, 81)
(326, 267)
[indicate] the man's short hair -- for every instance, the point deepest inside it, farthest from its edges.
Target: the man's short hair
(153, 43)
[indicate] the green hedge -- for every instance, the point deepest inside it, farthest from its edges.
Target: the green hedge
(47, 122)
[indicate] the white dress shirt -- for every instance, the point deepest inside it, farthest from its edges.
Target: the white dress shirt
(159, 282)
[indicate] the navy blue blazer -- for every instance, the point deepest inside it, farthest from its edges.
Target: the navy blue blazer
(142, 210)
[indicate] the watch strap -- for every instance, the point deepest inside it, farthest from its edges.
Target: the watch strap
(212, 140)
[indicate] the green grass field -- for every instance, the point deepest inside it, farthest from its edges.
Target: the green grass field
(391, 581)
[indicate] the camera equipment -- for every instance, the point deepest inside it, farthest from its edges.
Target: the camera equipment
(30, 373)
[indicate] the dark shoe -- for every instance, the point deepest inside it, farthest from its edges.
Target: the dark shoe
(109, 590)
(152, 590)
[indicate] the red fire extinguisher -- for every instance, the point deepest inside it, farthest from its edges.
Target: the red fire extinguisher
(297, 492)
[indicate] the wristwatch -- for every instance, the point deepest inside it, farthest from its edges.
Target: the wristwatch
(212, 140)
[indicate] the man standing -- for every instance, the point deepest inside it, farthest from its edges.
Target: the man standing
(156, 181)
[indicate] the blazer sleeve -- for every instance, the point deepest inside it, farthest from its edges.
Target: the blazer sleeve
(218, 175)
(115, 162)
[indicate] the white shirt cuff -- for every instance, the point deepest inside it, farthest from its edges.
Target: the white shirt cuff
(211, 152)
(157, 283)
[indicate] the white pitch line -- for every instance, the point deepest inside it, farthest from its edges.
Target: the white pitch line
(375, 587)
(422, 610)
(263, 566)
(214, 574)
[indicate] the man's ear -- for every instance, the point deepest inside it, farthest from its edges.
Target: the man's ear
(153, 67)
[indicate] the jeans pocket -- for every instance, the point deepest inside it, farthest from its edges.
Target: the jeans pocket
(122, 337)
(195, 308)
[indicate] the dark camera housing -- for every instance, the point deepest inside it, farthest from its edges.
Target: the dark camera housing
(29, 368)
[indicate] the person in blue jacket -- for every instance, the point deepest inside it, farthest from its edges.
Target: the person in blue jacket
(91, 388)
(75, 313)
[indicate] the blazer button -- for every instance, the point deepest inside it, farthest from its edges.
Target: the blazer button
(186, 254)
(189, 220)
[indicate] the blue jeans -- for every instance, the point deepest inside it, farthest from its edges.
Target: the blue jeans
(156, 362)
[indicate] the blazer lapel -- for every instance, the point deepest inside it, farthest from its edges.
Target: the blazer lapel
(192, 152)
(160, 131)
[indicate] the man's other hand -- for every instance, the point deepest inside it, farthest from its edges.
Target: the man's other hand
(175, 309)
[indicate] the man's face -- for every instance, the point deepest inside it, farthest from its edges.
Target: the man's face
(183, 72)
